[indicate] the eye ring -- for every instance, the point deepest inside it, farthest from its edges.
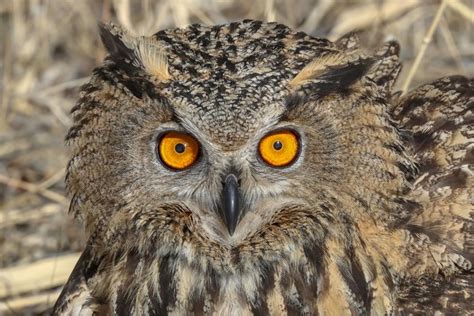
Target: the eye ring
(280, 148)
(177, 150)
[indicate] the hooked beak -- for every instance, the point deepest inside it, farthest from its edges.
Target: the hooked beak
(230, 204)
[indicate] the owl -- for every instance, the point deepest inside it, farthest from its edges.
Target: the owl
(249, 169)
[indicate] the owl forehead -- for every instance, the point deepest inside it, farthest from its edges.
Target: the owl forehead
(230, 111)
(231, 80)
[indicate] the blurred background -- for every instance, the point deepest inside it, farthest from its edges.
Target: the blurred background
(48, 49)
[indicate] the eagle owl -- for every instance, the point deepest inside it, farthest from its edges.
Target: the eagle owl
(248, 169)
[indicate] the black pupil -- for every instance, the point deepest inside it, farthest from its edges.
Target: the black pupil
(277, 145)
(179, 148)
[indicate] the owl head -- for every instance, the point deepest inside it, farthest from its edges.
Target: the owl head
(244, 129)
(236, 145)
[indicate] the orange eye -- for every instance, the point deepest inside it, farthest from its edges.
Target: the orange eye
(178, 150)
(280, 148)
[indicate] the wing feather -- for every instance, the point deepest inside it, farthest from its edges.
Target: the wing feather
(76, 298)
(439, 117)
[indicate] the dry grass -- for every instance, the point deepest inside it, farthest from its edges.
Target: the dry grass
(49, 47)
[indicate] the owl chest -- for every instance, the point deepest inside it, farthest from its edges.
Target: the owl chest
(183, 290)
(178, 287)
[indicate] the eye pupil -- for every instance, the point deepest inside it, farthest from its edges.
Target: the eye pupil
(277, 145)
(179, 148)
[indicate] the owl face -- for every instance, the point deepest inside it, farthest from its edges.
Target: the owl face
(224, 186)
(232, 187)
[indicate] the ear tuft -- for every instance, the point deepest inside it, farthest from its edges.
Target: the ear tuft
(345, 75)
(338, 69)
(114, 39)
(153, 58)
(141, 52)
(317, 67)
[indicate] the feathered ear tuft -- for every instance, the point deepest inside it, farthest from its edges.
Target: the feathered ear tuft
(337, 71)
(344, 67)
(114, 39)
(143, 52)
(153, 58)
(345, 75)
(316, 68)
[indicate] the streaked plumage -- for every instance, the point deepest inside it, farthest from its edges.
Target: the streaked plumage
(375, 216)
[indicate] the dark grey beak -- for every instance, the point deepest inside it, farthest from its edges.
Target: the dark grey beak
(230, 205)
